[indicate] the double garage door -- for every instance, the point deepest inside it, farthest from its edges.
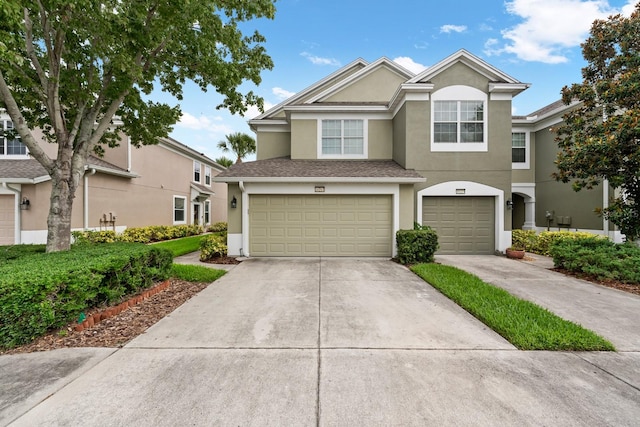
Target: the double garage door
(320, 225)
(7, 215)
(465, 225)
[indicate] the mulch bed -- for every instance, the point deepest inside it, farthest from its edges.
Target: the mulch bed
(118, 330)
(626, 287)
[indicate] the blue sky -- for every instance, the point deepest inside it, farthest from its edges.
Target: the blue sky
(534, 41)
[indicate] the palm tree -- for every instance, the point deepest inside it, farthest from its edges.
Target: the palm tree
(239, 143)
(224, 161)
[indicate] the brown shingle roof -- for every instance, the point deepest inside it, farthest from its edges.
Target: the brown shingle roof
(284, 167)
(32, 169)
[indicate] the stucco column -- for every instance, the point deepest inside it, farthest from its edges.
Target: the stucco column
(529, 214)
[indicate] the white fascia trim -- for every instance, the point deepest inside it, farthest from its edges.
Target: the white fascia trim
(410, 92)
(335, 189)
(187, 152)
(292, 180)
(110, 171)
(500, 96)
(508, 88)
(263, 127)
(321, 108)
(381, 62)
(451, 188)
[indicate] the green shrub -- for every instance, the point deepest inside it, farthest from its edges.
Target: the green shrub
(417, 245)
(217, 227)
(40, 291)
(17, 251)
(212, 246)
(158, 233)
(524, 239)
(598, 258)
(88, 236)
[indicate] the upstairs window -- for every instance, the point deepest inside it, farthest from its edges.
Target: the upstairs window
(343, 138)
(207, 175)
(520, 149)
(196, 171)
(459, 119)
(10, 144)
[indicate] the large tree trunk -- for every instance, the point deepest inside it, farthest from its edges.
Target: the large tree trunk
(64, 182)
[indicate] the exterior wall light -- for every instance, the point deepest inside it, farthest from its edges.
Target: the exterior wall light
(234, 202)
(25, 204)
(509, 204)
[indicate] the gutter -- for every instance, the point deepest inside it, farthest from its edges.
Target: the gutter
(18, 218)
(85, 200)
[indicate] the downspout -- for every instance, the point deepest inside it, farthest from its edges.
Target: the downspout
(85, 224)
(605, 205)
(245, 220)
(17, 216)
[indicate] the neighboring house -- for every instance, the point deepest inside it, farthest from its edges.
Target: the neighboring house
(164, 184)
(373, 148)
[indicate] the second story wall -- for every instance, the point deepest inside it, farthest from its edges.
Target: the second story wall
(271, 145)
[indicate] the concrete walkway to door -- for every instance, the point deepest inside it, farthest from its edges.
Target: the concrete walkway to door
(333, 342)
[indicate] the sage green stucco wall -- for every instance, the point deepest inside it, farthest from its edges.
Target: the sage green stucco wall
(460, 74)
(234, 216)
(407, 207)
(560, 197)
(378, 86)
(400, 136)
(273, 144)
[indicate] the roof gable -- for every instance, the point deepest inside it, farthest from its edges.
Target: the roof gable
(470, 60)
(377, 82)
(320, 86)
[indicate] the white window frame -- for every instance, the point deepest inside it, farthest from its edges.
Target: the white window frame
(206, 214)
(197, 168)
(365, 137)
(184, 210)
(207, 176)
(461, 93)
(4, 143)
(527, 150)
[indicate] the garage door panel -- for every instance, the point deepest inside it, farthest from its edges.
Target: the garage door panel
(7, 220)
(465, 225)
(344, 225)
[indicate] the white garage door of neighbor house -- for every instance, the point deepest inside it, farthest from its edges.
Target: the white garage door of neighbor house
(7, 218)
(320, 225)
(465, 225)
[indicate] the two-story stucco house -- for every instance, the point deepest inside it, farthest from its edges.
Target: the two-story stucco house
(373, 148)
(164, 184)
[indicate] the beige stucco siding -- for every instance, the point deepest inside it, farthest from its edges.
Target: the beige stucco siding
(271, 145)
(400, 136)
(560, 197)
(407, 207)
(304, 137)
(380, 139)
(378, 86)
(417, 140)
(119, 155)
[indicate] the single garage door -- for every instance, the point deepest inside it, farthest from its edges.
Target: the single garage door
(7, 218)
(465, 225)
(315, 225)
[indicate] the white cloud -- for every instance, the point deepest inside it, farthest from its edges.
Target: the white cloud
(628, 9)
(317, 60)
(282, 93)
(549, 28)
(409, 64)
(453, 28)
(213, 124)
(253, 111)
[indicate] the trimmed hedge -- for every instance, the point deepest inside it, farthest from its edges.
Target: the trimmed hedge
(541, 243)
(416, 245)
(40, 292)
(599, 258)
(218, 227)
(154, 233)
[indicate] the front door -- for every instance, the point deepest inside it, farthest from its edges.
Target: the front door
(196, 213)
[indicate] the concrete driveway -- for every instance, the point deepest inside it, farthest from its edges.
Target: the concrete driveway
(331, 342)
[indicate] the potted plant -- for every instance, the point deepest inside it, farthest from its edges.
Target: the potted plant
(515, 252)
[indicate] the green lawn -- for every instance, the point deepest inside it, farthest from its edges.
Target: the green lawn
(524, 324)
(182, 246)
(195, 273)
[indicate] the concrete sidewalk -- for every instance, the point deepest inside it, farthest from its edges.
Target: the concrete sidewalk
(335, 342)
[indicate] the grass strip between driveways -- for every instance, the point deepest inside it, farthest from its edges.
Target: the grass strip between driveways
(182, 246)
(195, 273)
(524, 324)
